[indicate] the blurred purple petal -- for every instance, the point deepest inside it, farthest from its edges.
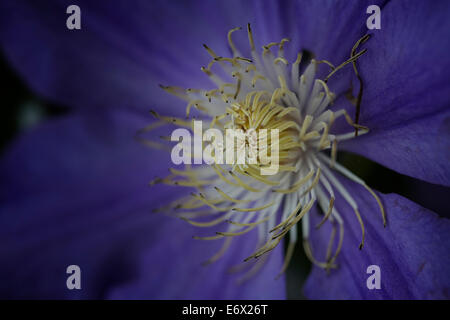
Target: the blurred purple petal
(119, 56)
(171, 267)
(75, 192)
(412, 252)
(123, 51)
(78, 151)
(407, 91)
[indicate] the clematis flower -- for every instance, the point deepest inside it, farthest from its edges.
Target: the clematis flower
(74, 189)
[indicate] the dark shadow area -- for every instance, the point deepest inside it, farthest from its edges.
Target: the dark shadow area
(428, 195)
(21, 109)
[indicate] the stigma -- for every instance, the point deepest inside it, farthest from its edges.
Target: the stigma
(265, 91)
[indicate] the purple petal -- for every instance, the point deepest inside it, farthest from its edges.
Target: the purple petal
(171, 268)
(119, 56)
(325, 28)
(412, 252)
(75, 192)
(407, 91)
(329, 29)
(420, 148)
(77, 150)
(123, 51)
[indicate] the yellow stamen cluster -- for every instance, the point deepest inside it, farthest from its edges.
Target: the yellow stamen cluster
(262, 93)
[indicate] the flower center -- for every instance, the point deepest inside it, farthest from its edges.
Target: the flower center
(265, 92)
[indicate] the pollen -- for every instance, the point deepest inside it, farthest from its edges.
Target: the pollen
(266, 91)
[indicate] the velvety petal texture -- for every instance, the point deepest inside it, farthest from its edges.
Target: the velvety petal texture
(411, 252)
(75, 193)
(117, 59)
(170, 267)
(125, 50)
(329, 29)
(74, 190)
(406, 95)
(418, 148)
